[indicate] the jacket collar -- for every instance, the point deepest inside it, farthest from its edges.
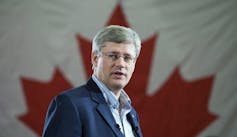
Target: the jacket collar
(105, 112)
(134, 121)
(102, 107)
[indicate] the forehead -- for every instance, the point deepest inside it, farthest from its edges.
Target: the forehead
(123, 48)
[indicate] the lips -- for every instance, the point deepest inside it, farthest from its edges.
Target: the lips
(118, 74)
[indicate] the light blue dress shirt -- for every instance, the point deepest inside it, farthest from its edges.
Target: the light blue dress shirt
(113, 102)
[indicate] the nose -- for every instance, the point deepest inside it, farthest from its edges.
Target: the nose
(120, 62)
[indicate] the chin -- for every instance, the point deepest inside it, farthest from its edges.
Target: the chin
(119, 86)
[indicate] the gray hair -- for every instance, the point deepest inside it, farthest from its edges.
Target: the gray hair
(118, 34)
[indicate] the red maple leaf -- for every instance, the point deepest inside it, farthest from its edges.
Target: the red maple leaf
(178, 108)
(38, 95)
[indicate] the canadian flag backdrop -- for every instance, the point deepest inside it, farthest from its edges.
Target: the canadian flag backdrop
(185, 80)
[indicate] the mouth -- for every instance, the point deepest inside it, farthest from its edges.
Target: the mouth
(118, 74)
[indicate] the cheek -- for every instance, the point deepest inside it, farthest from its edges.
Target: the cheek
(104, 66)
(131, 69)
(100, 66)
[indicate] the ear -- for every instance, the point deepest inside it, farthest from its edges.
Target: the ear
(94, 59)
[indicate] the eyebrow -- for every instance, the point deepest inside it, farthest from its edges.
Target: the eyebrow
(115, 52)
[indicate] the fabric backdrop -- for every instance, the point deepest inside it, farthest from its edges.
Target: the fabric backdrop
(185, 80)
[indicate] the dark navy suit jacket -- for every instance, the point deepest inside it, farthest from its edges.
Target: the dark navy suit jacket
(83, 112)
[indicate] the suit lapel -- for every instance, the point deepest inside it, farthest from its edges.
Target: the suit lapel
(103, 108)
(133, 120)
(106, 114)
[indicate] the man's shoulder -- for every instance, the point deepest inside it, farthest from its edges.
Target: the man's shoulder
(82, 89)
(82, 92)
(74, 95)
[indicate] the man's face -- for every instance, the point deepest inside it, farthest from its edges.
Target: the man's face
(113, 65)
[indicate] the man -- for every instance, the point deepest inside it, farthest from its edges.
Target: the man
(100, 108)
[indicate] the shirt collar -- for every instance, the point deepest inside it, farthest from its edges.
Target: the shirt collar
(110, 97)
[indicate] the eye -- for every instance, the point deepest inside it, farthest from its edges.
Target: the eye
(127, 58)
(113, 56)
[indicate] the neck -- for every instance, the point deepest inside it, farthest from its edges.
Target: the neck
(117, 93)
